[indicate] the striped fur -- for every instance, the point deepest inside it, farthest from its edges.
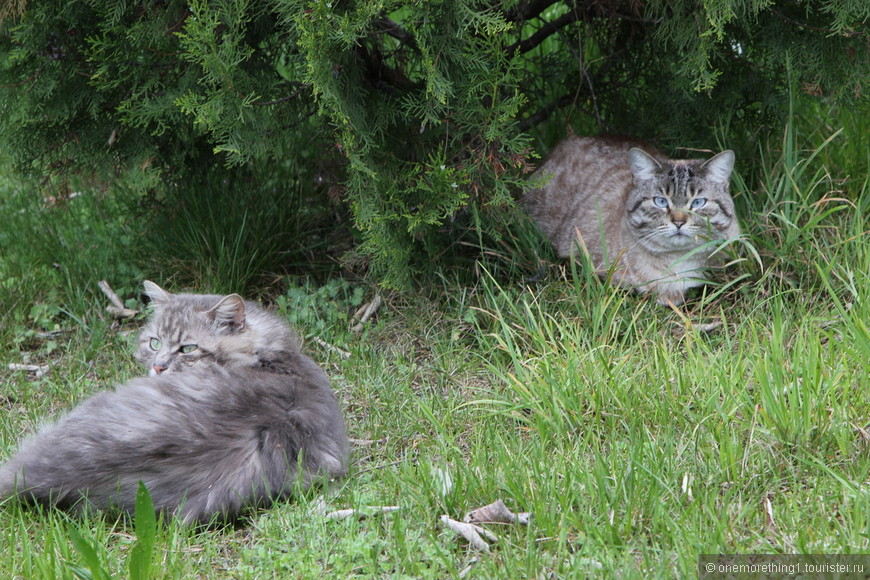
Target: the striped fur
(648, 218)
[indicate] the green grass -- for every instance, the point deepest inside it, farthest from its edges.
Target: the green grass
(638, 436)
(230, 234)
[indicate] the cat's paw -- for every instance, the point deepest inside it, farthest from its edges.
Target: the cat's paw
(670, 298)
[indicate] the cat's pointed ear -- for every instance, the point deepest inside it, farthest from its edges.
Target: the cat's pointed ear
(643, 165)
(230, 311)
(157, 294)
(719, 167)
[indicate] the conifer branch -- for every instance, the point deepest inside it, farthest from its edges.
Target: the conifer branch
(290, 97)
(544, 33)
(26, 81)
(541, 35)
(544, 112)
(526, 11)
(827, 31)
(381, 75)
(12, 9)
(422, 133)
(392, 28)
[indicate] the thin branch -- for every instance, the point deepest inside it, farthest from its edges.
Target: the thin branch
(545, 31)
(381, 75)
(362, 513)
(394, 29)
(526, 11)
(291, 96)
(270, 132)
(37, 370)
(544, 113)
(117, 309)
(332, 348)
(850, 33)
(29, 79)
(365, 312)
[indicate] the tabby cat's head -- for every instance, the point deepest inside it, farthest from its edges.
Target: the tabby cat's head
(189, 330)
(678, 205)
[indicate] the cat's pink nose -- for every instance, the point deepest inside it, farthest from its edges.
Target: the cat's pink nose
(158, 369)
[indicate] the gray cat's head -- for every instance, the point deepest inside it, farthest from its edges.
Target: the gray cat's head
(189, 330)
(679, 205)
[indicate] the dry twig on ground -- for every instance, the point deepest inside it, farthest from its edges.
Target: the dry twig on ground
(117, 308)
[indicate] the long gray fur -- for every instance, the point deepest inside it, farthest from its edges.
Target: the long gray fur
(236, 423)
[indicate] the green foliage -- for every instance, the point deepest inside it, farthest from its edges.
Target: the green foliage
(90, 553)
(231, 232)
(423, 111)
(56, 250)
(425, 117)
(638, 436)
(321, 311)
(140, 560)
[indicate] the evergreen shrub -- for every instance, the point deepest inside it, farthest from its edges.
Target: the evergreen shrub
(417, 116)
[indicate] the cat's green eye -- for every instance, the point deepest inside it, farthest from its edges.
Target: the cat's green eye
(660, 201)
(188, 348)
(154, 344)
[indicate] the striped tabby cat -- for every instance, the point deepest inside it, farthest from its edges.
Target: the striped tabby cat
(632, 209)
(231, 415)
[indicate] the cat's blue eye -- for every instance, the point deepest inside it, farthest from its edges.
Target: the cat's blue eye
(188, 348)
(699, 202)
(660, 201)
(154, 344)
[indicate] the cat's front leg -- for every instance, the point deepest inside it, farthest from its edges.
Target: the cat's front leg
(670, 295)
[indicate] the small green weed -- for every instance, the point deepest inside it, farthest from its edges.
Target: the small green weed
(321, 311)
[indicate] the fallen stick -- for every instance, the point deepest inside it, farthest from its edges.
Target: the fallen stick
(769, 522)
(331, 348)
(117, 309)
(476, 536)
(48, 335)
(465, 571)
(366, 312)
(37, 370)
(496, 513)
(362, 513)
(364, 442)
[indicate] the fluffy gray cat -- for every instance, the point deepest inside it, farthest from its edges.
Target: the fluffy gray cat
(231, 415)
(647, 217)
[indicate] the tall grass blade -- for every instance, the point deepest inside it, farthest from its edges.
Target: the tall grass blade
(145, 524)
(93, 568)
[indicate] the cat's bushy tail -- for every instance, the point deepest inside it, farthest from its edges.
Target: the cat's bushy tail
(205, 443)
